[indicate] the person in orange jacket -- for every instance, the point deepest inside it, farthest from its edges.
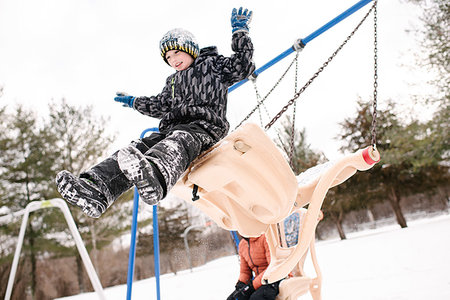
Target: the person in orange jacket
(255, 258)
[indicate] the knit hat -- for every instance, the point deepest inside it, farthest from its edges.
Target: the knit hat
(179, 39)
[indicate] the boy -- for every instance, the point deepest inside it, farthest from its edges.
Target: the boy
(192, 109)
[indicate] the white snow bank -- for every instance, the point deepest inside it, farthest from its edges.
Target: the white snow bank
(384, 264)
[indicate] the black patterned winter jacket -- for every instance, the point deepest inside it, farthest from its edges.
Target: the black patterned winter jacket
(198, 95)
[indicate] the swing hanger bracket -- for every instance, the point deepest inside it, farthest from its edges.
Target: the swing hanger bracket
(253, 76)
(298, 45)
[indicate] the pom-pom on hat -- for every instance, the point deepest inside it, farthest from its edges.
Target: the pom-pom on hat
(179, 39)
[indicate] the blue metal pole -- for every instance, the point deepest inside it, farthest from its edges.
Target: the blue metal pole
(263, 68)
(132, 252)
(156, 250)
(302, 42)
(235, 239)
(336, 20)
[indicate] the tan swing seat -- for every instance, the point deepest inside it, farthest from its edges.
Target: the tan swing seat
(288, 233)
(244, 182)
(313, 186)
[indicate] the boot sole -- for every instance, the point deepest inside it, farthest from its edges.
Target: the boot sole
(70, 189)
(140, 172)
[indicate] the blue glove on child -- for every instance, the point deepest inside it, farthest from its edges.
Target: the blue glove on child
(125, 99)
(240, 19)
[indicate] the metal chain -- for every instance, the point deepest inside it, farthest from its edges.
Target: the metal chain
(260, 117)
(258, 98)
(294, 112)
(375, 76)
(290, 102)
(265, 97)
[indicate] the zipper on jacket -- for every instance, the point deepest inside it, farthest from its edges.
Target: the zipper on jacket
(249, 255)
(173, 87)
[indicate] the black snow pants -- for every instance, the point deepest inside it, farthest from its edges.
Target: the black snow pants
(170, 153)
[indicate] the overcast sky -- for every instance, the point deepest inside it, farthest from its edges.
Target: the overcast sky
(86, 50)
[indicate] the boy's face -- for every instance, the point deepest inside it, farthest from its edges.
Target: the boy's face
(179, 60)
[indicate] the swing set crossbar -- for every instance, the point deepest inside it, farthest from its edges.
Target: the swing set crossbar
(301, 43)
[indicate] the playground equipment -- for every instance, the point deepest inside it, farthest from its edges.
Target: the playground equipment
(61, 204)
(313, 185)
(287, 236)
(257, 189)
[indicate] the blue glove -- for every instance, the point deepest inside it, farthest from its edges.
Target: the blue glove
(240, 19)
(125, 99)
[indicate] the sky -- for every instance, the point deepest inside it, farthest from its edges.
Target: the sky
(387, 263)
(86, 50)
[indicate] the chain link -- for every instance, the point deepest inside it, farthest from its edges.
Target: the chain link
(375, 76)
(267, 95)
(258, 98)
(294, 112)
(290, 102)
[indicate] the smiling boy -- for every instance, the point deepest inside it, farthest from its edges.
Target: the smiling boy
(179, 60)
(192, 110)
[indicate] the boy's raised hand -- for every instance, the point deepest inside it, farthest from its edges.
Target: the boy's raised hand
(125, 99)
(240, 19)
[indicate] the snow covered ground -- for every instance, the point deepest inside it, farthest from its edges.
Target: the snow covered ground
(383, 264)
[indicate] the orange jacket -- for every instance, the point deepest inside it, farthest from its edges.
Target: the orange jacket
(255, 257)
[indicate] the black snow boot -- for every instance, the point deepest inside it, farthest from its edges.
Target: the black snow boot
(157, 170)
(109, 179)
(81, 192)
(142, 174)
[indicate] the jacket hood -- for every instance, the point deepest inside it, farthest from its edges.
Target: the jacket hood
(206, 52)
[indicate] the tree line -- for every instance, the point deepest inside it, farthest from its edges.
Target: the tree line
(414, 160)
(33, 150)
(414, 153)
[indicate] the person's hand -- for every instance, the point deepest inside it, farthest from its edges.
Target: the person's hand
(275, 286)
(242, 292)
(271, 290)
(125, 99)
(240, 19)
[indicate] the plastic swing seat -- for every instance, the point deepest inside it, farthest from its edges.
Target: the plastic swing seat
(244, 182)
(288, 257)
(298, 283)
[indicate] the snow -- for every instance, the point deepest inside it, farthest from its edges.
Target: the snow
(388, 263)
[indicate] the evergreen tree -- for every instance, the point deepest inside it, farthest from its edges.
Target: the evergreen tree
(33, 151)
(25, 166)
(172, 222)
(408, 160)
(435, 41)
(357, 133)
(435, 45)
(303, 156)
(83, 142)
(429, 142)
